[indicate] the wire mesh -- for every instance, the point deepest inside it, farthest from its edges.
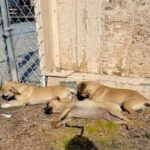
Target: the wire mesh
(23, 24)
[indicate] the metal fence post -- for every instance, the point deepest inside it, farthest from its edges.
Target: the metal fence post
(8, 38)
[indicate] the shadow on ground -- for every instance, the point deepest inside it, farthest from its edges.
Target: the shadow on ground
(80, 143)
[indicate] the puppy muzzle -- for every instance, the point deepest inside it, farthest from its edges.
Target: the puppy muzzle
(80, 97)
(8, 98)
(48, 110)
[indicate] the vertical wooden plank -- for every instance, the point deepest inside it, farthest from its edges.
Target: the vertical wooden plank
(55, 35)
(39, 29)
(93, 35)
(117, 36)
(67, 33)
(46, 35)
(88, 35)
(81, 35)
(101, 33)
(139, 59)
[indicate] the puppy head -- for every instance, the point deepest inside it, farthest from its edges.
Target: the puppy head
(58, 105)
(82, 91)
(53, 106)
(8, 90)
(86, 89)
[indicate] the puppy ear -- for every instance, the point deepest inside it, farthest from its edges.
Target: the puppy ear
(14, 90)
(56, 98)
(81, 87)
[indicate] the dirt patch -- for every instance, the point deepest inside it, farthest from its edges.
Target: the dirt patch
(29, 129)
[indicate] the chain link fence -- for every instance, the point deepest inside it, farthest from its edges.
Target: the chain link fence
(25, 44)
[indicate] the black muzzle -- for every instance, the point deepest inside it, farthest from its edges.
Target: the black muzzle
(81, 98)
(48, 110)
(8, 98)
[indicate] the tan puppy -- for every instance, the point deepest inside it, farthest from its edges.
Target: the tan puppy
(28, 94)
(130, 100)
(85, 109)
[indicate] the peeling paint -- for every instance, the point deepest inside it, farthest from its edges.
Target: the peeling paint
(84, 19)
(83, 65)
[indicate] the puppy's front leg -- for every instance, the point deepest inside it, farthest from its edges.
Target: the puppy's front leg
(57, 124)
(14, 103)
(63, 118)
(64, 114)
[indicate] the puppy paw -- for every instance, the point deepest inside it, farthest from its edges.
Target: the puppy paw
(5, 105)
(55, 124)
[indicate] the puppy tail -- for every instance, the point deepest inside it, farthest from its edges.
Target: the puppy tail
(72, 91)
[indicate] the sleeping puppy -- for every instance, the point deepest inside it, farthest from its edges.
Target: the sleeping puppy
(129, 100)
(29, 94)
(85, 109)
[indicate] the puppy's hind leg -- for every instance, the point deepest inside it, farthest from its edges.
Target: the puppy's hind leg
(115, 110)
(129, 104)
(133, 104)
(14, 103)
(124, 120)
